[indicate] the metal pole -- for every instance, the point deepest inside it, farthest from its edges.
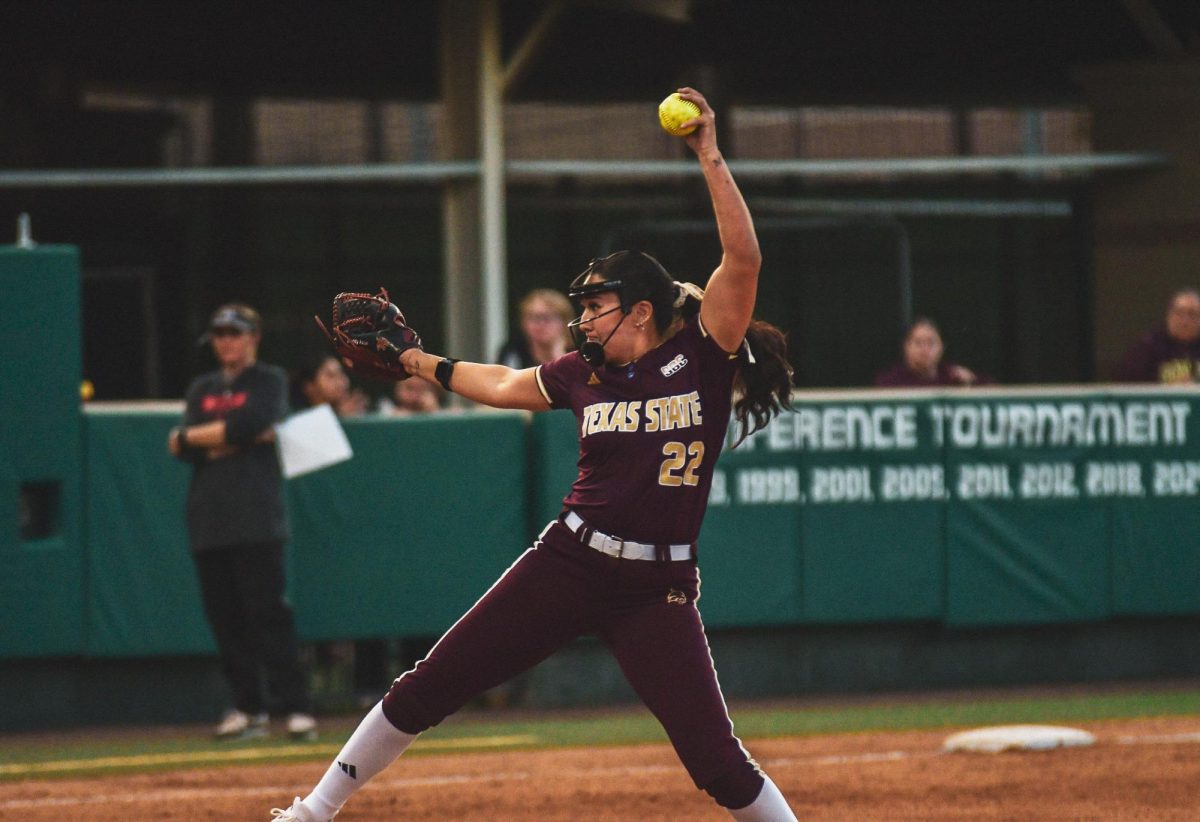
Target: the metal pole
(633, 170)
(494, 296)
(24, 232)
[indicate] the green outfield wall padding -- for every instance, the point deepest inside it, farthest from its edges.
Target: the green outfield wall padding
(872, 536)
(553, 457)
(41, 552)
(1057, 516)
(965, 509)
(400, 540)
(1156, 534)
(406, 536)
(1011, 560)
(143, 598)
(749, 568)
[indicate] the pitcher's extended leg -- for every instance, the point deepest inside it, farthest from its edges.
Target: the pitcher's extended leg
(663, 651)
(371, 748)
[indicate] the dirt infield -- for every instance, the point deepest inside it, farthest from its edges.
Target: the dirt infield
(1138, 770)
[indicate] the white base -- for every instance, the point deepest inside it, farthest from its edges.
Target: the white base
(1017, 738)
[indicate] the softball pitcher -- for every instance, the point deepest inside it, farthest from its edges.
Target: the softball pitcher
(660, 368)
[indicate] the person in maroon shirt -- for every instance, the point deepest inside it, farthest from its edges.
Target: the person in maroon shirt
(923, 365)
(659, 370)
(1170, 354)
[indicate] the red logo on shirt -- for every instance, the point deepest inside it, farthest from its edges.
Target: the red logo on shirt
(222, 403)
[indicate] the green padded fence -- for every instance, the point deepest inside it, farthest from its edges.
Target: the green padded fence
(143, 598)
(41, 550)
(994, 507)
(405, 537)
(981, 508)
(965, 509)
(400, 540)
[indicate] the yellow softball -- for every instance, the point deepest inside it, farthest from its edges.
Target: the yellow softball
(675, 110)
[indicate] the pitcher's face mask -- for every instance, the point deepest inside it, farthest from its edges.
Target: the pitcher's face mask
(592, 350)
(633, 276)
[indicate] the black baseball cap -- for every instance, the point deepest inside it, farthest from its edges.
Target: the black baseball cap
(237, 316)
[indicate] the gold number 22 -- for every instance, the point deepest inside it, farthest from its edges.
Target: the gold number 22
(677, 454)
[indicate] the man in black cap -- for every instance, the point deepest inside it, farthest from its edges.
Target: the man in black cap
(237, 527)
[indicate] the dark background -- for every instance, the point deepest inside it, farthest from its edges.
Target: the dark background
(1011, 294)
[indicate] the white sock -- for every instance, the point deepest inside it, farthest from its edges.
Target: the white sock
(373, 746)
(770, 806)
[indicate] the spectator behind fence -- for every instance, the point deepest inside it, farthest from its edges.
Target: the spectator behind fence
(544, 336)
(237, 527)
(922, 363)
(412, 397)
(323, 380)
(1171, 354)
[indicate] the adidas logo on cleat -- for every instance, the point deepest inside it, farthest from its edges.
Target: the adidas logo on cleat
(350, 770)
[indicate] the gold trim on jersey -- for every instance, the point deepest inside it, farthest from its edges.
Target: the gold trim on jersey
(704, 333)
(537, 374)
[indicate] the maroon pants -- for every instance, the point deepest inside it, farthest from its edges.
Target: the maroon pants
(645, 612)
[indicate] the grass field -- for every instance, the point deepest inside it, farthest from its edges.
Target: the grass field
(99, 751)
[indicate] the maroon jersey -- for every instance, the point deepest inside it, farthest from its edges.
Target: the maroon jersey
(649, 435)
(901, 376)
(1159, 357)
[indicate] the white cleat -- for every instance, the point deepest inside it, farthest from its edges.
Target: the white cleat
(296, 813)
(302, 726)
(238, 725)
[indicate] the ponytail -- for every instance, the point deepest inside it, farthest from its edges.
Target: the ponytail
(762, 387)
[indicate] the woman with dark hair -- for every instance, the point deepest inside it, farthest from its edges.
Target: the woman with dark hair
(922, 364)
(660, 368)
(323, 380)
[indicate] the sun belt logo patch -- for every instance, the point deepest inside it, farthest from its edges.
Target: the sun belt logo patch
(674, 366)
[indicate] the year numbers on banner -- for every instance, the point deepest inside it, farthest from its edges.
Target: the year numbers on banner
(1114, 479)
(1042, 480)
(983, 480)
(849, 484)
(913, 482)
(763, 486)
(1176, 479)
